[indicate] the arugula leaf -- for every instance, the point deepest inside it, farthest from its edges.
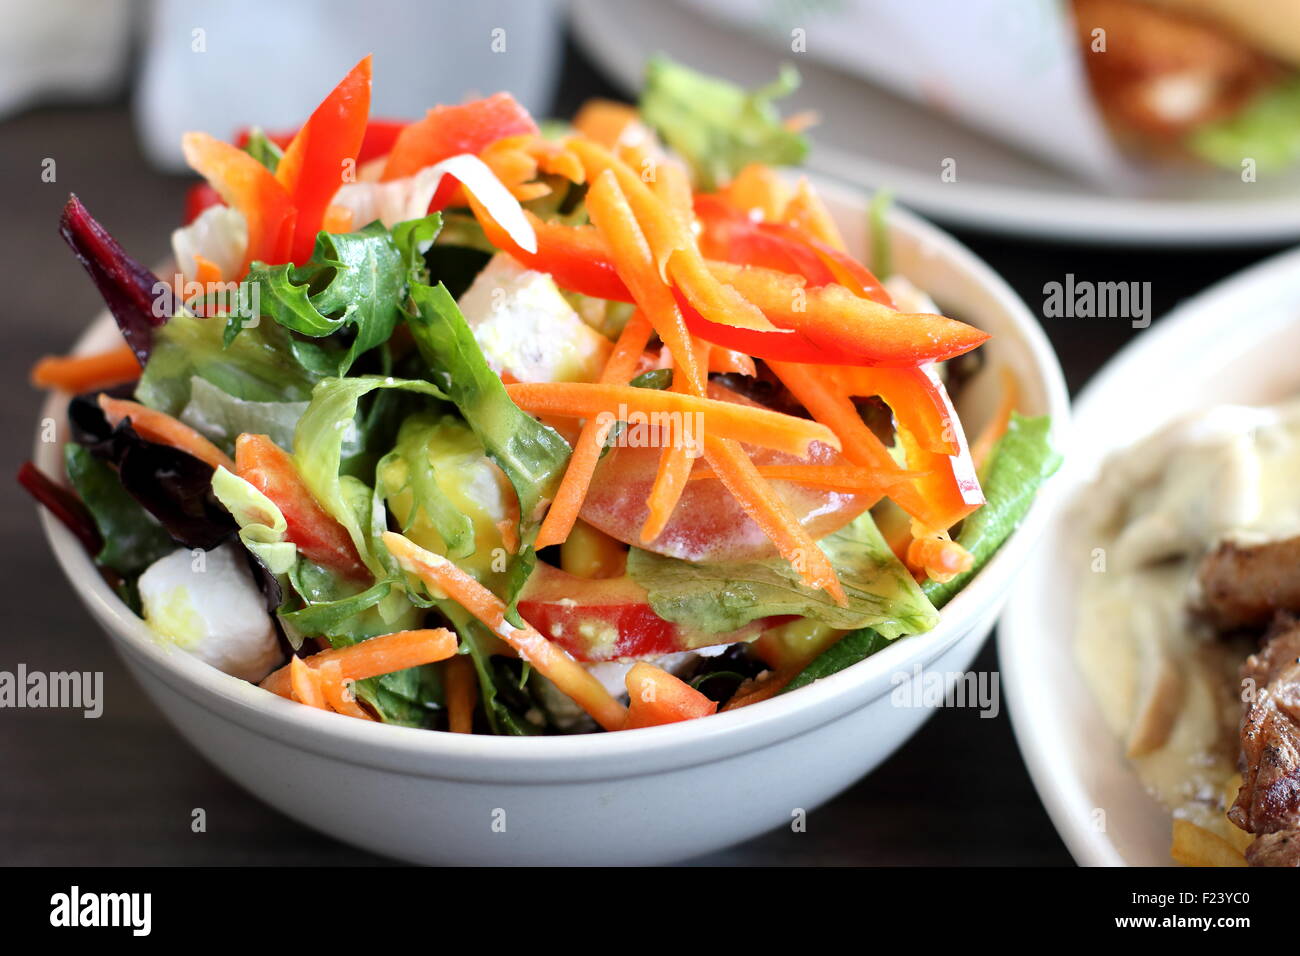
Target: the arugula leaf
(716, 126)
(133, 540)
(355, 279)
(715, 598)
(532, 455)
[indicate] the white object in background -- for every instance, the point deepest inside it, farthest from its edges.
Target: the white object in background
(642, 796)
(219, 67)
(61, 49)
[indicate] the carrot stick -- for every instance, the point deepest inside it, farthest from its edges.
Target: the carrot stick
(329, 676)
(566, 673)
(675, 464)
(758, 187)
(462, 694)
(997, 427)
(834, 477)
(85, 373)
(806, 211)
(670, 237)
(374, 656)
(739, 476)
(619, 370)
(729, 360)
(153, 425)
(614, 221)
(748, 423)
(304, 684)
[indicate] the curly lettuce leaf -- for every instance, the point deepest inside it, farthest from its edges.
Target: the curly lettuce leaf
(717, 598)
(716, 126)
(1267, 131)
(532, 455)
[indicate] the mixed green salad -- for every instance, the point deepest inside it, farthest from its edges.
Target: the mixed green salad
(474, 424)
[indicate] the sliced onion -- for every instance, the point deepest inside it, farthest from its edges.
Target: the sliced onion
(409, 198)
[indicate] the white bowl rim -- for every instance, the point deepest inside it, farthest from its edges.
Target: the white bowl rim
(747, 727)
(1065, 796)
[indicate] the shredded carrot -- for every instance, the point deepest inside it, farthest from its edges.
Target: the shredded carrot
(206, 271)
(607, 121)
(729, 360)
(997, 427)
(566, 673)
(615, 223)
(807, 212)
(739, 476)
(754, 424)
(85, 373)
(304, 684)
(833, 477)
(670, 238)
(337, 692)
(462, 694)
(758, 187)
(337, 219)
(374, 656)
(619, 370)
(753, 692)
(155, 426)
(673, 186)
(936, 556)
(675, 464)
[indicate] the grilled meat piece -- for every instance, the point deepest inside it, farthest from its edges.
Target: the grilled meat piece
(1244, 586)
(1268, 803)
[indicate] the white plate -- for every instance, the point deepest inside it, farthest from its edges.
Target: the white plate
(1236, 342)
(872, 138)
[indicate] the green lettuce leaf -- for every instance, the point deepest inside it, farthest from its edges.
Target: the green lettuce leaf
(1267, 131)
(221, 417)
(716, 598)
(411, 460)
(1022, 460)
(532, 455)
(133, 540)
(318, 444)
(260, 366)
(716, 126)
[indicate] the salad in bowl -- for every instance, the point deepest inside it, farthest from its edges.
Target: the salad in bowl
(481, 425)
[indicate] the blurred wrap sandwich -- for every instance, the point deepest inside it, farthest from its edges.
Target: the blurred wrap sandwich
(1218, 80)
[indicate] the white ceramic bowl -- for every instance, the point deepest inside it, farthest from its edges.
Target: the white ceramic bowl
(645, 796)
(1236, 342)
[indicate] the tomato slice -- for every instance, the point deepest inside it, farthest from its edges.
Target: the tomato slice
(605, 619)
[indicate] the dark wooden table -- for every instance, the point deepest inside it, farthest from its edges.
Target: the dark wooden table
(120, 789)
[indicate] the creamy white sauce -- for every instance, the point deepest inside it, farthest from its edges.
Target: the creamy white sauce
(1166, 685)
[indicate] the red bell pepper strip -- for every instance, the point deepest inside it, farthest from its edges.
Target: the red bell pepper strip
(448, 131)
(732, 236)
(380, 136)
(246, 185)
(323, 156)
(316, 534)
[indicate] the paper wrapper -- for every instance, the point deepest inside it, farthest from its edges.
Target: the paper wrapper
(1010, 68)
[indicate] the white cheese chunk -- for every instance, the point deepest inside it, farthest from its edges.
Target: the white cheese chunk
(207, 604)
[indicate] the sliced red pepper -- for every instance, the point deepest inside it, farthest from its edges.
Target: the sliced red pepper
(380, 136)
(448, 131)
(729, 234)
(246, 185)
(312, 529)
(323, 155)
